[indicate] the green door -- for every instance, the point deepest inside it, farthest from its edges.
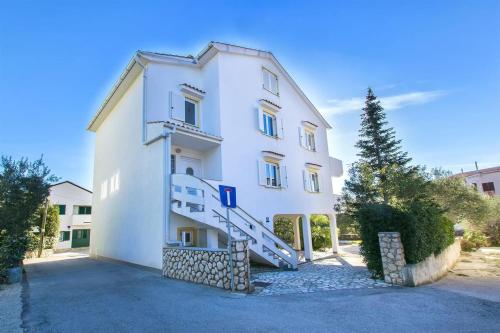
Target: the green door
(81, 238)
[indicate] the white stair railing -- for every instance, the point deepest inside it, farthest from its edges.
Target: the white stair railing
(197, 199)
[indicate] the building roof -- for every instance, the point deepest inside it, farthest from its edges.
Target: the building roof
(479, 172)
(71, 183)
(136, 64)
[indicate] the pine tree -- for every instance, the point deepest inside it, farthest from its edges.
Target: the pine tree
(380, 155)
(378, 145)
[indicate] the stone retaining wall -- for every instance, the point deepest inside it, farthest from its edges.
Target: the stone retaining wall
(433, 267)
(393, 256)
(209, 266)
(34, 254)
(396, 271)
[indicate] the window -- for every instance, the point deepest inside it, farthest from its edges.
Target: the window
(489, 188)
(270, 81)
(195, 208)
(191, 109)
(84, 210)
(307, 136)
(474, 186)
(80, 234)
(63, 236)
(314, 181)
(272, 174)
(62, 209)
(311, 181)
(269, 124)
(309, 141)
(189, 171)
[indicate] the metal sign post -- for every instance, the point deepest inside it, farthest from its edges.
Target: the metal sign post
(227, 196)
(230, 248)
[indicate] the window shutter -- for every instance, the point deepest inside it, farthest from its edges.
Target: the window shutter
(274, 84)
(307, 181)
(261, 166)
(177, 106)
(320, 183)
(302, 137)
(260, 118)
(279, 127)
(283, 176)
(265, 79)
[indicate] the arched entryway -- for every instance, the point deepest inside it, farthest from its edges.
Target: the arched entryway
(298, 231)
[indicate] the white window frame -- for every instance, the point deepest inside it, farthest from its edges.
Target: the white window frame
(267, 78)
(312, 180)
(308, 135)
(277, 174)
(272, 173)
(266, 116)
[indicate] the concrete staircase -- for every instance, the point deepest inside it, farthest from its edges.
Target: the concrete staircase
(198, 200)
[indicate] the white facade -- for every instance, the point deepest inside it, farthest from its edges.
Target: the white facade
(486, 181)
(231, 116)
(75, 219)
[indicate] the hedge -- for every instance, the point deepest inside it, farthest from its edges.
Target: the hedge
(424, 230)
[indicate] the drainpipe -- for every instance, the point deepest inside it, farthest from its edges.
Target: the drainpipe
(144, 97)
(166, 167)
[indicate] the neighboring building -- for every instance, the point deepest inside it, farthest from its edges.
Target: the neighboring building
(485, 181)
(75, 214)
(175, 127)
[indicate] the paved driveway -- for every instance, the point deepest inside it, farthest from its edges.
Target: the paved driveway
(85, 295)
(326, 272)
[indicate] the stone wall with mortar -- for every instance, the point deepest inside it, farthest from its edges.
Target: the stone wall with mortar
(34, 254)
(209, 266)
(433, 267)
(393, 257)
(396, 271)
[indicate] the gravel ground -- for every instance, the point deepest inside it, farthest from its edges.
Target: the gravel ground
(10, 308)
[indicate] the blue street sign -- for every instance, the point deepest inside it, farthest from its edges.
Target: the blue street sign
(227, 196)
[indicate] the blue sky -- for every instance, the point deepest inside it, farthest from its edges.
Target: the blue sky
(435, 65)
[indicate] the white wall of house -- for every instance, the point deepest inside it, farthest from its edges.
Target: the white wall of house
(240, 92)
(128, 216)
(483, 177)
(128, 223)
(71, 196)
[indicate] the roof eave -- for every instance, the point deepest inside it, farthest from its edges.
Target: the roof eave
(93, 124)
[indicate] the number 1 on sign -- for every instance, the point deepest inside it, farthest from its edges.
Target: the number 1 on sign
(228, 196)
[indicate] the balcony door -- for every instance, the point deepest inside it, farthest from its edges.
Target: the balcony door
(189, 166)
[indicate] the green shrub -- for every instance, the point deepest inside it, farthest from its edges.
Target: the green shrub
(320, 232)
(283, 228)
(12, 249)
(348, 227)
(473, 240)
(423, 228)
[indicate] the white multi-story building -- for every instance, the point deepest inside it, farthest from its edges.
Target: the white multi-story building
(485, 181)
(175, 127)
(75, 214)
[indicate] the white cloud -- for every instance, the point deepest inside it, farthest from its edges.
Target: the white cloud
(388, 102)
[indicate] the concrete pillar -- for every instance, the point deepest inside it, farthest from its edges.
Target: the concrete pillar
(333, 232)
(296, 233)
(212, 239)
(306, 231)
